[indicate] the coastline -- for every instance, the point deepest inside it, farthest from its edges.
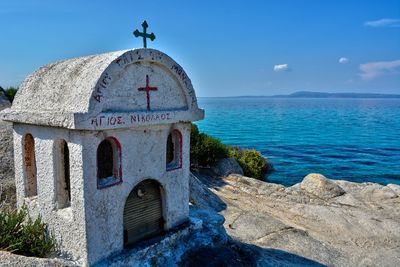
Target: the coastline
(359, 226)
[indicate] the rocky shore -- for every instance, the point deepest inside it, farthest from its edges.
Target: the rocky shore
(333, 223)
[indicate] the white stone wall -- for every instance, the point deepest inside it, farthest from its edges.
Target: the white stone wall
(96, 215)
(122, 91)
(143, 157)
(67, 224)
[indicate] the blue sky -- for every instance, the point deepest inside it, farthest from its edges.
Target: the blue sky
(227, 47)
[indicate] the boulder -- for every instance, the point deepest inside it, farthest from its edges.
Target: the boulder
(395, 188)
(358, 228)
(226, 166)
(202, 197)
(320, 186)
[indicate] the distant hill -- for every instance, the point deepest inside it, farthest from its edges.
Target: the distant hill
(307, 94)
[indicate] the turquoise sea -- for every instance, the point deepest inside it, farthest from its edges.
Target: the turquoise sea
(351, 139)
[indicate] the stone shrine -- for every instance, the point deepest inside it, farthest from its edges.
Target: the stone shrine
(102, 148)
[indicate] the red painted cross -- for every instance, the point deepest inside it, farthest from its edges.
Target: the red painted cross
(147, 89)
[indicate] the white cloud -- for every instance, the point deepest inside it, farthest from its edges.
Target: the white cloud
(281, 67)
(343, 60)
(383, 23)
(373, 70)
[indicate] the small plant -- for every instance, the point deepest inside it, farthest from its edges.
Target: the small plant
(252, 162)
(204, 149)
(20, 234)
(10, 93)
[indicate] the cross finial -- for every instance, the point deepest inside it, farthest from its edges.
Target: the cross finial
(144, 34)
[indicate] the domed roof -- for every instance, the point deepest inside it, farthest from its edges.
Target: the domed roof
(132, 87)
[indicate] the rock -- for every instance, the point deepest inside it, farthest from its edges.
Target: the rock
(320, 186)
(218, 256)
(226, 166)
(9, 259)
(395, 188)
(202, 197)
(209, 216)
(378, 192)
(254, 226)
(348, 224)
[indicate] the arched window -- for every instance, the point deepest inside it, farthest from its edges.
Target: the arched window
(29, 166)
(109, 171)
(63, 182)
(174, 150)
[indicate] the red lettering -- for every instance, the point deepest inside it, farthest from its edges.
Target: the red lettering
(98, 98)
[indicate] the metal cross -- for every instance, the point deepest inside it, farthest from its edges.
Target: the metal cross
(144, 34)
(147, 89)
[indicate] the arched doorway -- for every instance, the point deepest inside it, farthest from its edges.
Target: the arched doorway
(143, 212)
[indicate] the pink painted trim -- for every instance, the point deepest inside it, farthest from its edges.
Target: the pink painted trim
(109, 185)
(179, 165)
(114, 141)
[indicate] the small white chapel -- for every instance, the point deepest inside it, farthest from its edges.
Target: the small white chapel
(101, 147)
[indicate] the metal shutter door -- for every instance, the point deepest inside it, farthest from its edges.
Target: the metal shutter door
(143, 215)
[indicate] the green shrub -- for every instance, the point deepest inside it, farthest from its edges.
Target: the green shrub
(252, 162)
(205, 150)
(10, 93)
(194, 135)
(194, 138)
(22, 235)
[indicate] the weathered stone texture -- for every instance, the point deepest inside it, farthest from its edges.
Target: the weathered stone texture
(202, 197)
(101, 91)
(63, 86)
(358, 228)
(8, 260)
(7, 183)
(320, 186)
(227, 166)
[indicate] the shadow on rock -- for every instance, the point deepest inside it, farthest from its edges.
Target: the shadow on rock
(201, 196)
(239, 254)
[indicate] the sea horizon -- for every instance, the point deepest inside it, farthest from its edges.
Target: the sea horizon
(354, 139)
(315, 94)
